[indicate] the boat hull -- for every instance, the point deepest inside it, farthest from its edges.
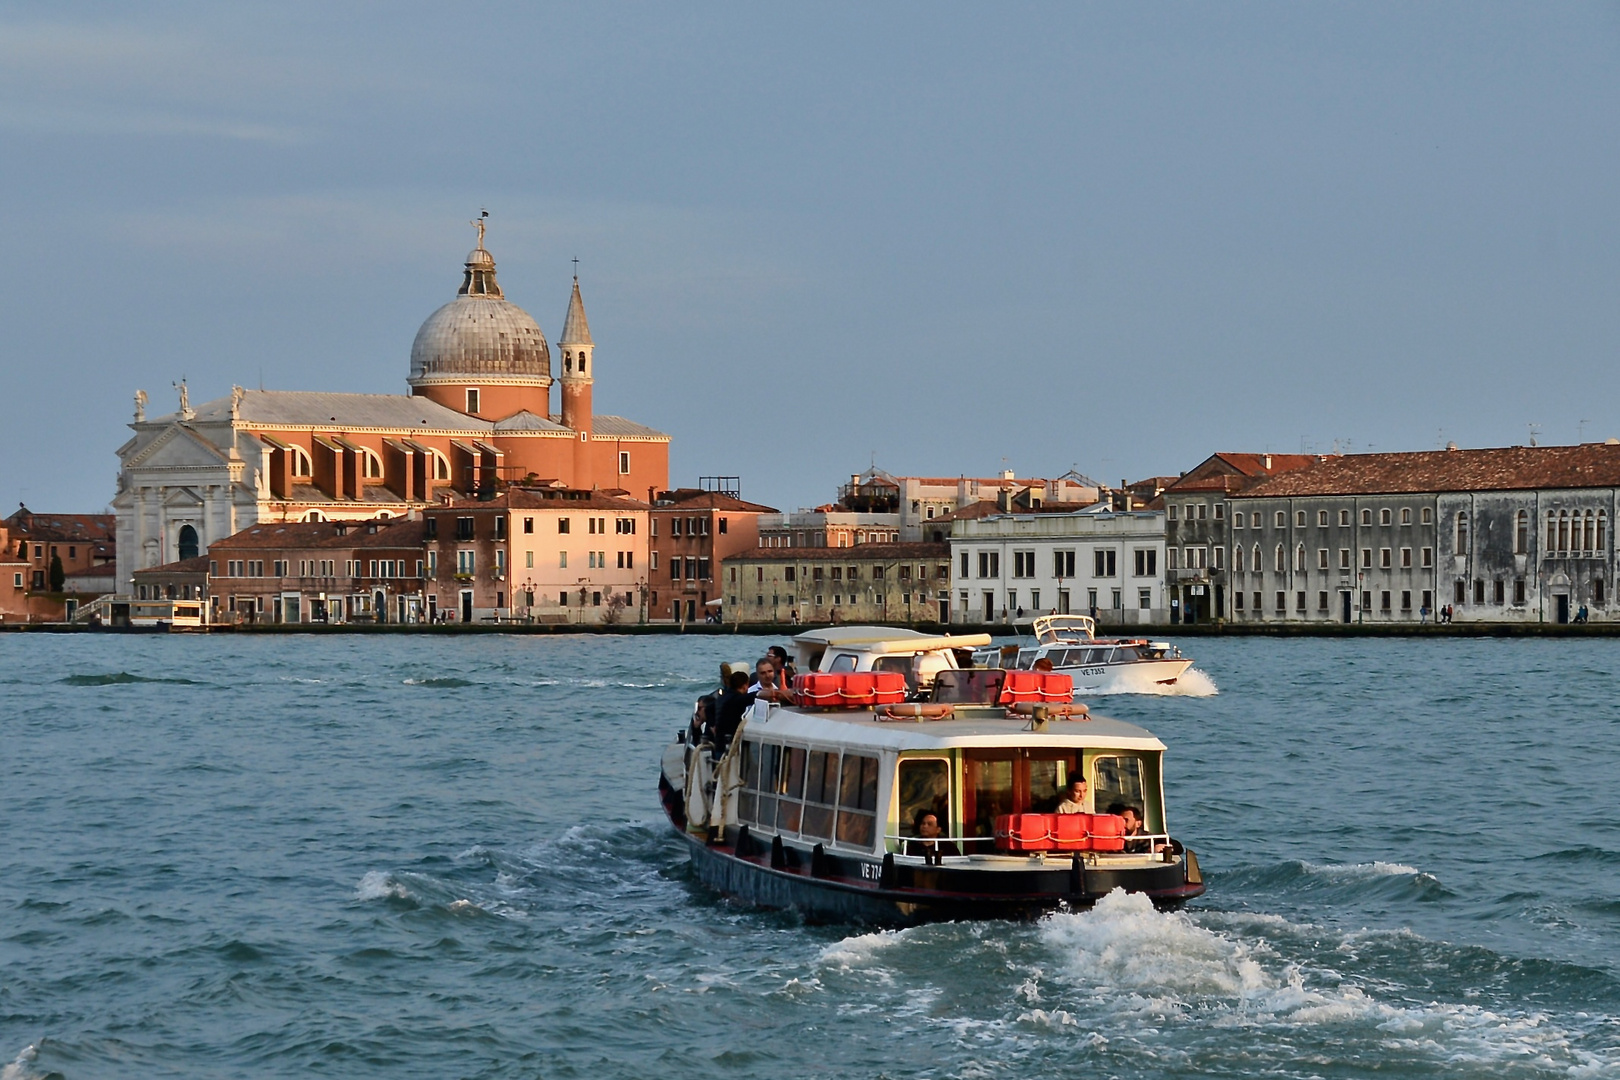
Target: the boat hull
(826, 887)
(1136, 676)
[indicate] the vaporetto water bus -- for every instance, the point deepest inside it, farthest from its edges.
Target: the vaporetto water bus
(1097, 665)
(821, 806)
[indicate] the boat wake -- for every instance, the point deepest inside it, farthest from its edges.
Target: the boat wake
(1192, 683)
(1124, 989)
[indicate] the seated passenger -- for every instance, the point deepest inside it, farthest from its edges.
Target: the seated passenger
(1135, 826)
(928, 843)
(1074, 796)
(1043, 664)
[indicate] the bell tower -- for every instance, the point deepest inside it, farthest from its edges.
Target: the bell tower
(579, 372)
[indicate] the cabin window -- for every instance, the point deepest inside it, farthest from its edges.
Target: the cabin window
(997, 782)
(857, 800)
(790, 789)
(1117, 780)
(761, 765)
(820, 794)
(925, 788)
(842, 662)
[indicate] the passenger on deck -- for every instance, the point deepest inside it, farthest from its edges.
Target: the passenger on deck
(1074, 796)
(1043, 664)
(785, 670)
(765, 686)
(928, 844)
(729, 715)
(1135, 826)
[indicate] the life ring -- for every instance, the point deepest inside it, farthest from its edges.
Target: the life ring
(1076, 711)
(917, 710)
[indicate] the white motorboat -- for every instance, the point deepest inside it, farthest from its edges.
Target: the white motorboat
(1097, 665)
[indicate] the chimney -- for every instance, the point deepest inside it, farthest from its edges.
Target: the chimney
(1006, 474)
(1268, 462)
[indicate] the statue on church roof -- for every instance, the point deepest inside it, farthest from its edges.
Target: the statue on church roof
(140, 405)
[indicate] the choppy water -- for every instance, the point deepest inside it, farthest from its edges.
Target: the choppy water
(370, 857)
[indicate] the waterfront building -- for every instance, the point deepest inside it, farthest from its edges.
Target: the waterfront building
(886, 582)
(15, 568)
(918, 502)
(1514, 534)
(83, 542)
(692, 531)
(311, 571)
(827, 526)
(1095, 560)
(1197, 577)
(553, 554)
(478, 416)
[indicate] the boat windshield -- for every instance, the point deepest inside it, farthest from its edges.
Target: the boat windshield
(925, 788)
(997, 782)
(1118, 779)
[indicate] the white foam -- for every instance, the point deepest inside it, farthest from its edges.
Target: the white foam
(1364, 871)
(860, 950)
(1133, 964)
(1191, 683)
(378, 885)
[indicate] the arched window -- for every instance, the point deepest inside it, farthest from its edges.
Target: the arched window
(300, 462)
(441, 466)
(1521, 533)
(1462, 533)
(1552, 532)
(1563, 530)
(1299, 557)
(1237, 559)
(371, 464)
(1366, 517)
(188, 542)
(383, 515)
(1589, 532)
(314, 515)
(1254, 563)
(1603, 518)
(1278, 562)
(582, 363)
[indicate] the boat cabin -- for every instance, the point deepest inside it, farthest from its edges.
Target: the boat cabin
(917, 656)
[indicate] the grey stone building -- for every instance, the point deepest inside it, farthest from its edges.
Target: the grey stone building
(1198, 582)
(1516, 534)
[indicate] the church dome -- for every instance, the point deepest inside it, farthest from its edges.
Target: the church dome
(480, 335)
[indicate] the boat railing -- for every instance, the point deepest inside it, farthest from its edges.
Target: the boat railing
(987, 844)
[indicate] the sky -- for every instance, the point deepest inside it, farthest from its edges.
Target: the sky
(943, 239)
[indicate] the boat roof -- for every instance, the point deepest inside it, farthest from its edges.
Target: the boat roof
(985, 726)
(1049, 628)
(889, 639)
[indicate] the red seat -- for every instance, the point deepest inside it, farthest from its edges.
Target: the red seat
(1072, 832)
(889, 688)
(1025, 832)
(1107, 832)
(1055, 686)
(1021, 686)
(860, 687)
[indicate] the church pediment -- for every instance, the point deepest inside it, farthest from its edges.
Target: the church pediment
(176, 447)
(181, 498)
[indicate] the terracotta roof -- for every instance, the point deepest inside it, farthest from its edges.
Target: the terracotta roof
(197, 565)
(1255, 464)
(390, 533)
(72, 528)
(693, 499)
(516, 498)
(1512, 468)
(888, 552)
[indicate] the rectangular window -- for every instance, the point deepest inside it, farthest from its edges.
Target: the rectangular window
(1104, 562)
(989, 564)
(1366, 558)
(472, 401)
(562, 525)
(465, 562)
(964, 562)
(1217, 558)
(464, 528)
(1282, 602)
(1406, 594)
(1321, 558)
(1406, 558)
(1499, 591)
(624, 463)
(1147, 562)
(1366, 600)
(1172, 511)
(1023, 564)
(1428, 600)
(528, 524)
(1479, 591)
(562, 560)
(1383, 558)
(1237, 601)
(1172, 558)
(1383, 600)
(500, 527)
(703, 567)
(1428, 557)
(1299, 602)
(1220, 511)
(1322, 600)
(1344, 558)
(1518, 591)
(1461, 591)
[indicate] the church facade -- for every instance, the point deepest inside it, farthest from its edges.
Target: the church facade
(478, 416)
